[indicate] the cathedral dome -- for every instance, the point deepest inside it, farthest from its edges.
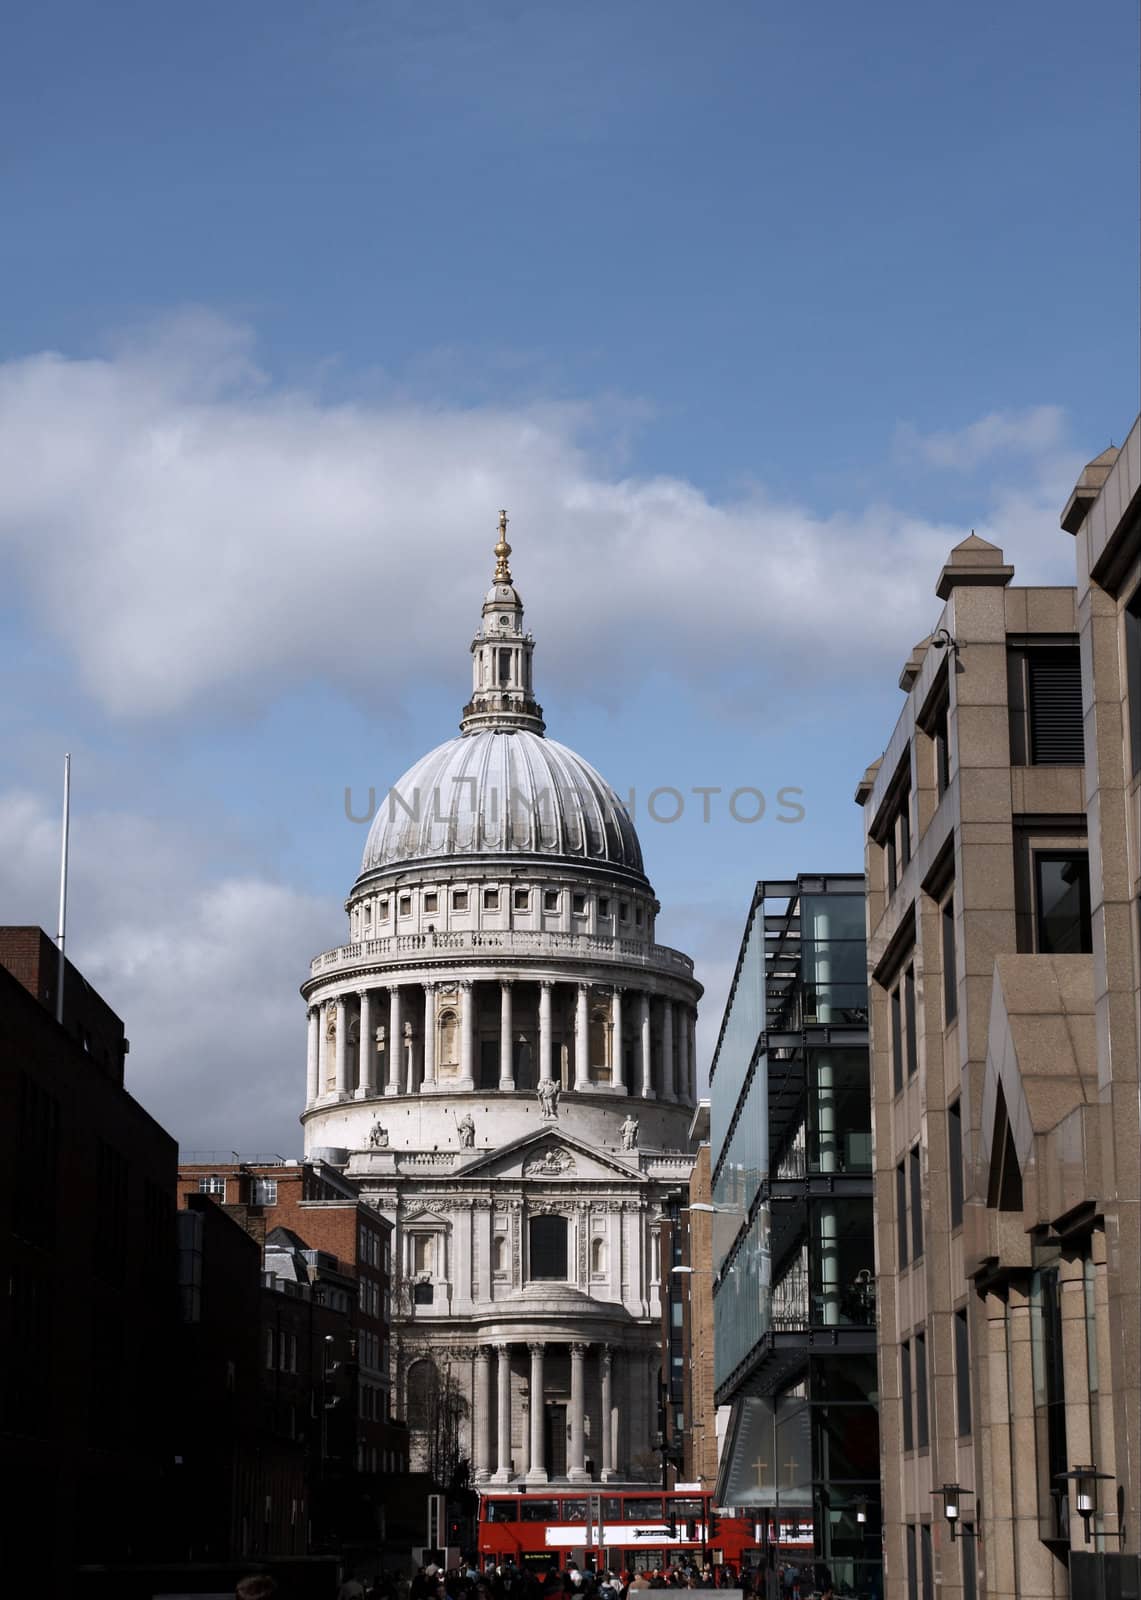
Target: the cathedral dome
(502, 791)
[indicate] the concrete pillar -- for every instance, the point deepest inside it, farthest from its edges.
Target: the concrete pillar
(467, 1030)
(482, 1413)
(506, 1053)
(606, 1359)
(617, 1058)
(537, 1471)
(545, 988)
(342, 1046)
(503, 1399)
(313, 1057)
(582, 1038)
(684, 1088)
(647, 1062)
(429, 1036)
(395, 1040)
(669, 1077)
(576, 1465)
(691, 1046)
(366, 1063)
(323, 1049)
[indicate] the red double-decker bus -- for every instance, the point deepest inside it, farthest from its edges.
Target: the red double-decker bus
(630, 1530)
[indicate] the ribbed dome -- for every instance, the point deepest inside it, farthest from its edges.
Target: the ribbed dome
(502, 792)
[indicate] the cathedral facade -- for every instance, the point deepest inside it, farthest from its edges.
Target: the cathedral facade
(503, 1058)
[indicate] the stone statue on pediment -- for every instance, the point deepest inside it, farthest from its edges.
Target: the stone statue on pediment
(549, 1099)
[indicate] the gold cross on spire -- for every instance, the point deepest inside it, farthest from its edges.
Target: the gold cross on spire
(502, 551)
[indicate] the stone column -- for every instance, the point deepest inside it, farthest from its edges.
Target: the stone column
(429, 1036)
(537, 1471)
(669, 1075)
(503, 1397)
(506, 1054)
(545, 988)
(482, 1413)
(684, 1089)
(647, 1064)
(313, 1057)
(576, 1466)
(467, 1028)
(395, 1040)
(582, 1038)
(342, 1046)
(366, 1066)
(691, 1031)
(617, 1058)
(323, 1049)
(606, 1359)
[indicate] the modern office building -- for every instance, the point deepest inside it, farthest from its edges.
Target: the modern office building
(1002, 867)
(792, 1246)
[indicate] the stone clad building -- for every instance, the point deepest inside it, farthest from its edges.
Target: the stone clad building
(503, 1058)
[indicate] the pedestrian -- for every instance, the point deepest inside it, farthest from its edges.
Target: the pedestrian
(258, 1586)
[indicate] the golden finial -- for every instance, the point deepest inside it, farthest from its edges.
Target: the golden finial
(502, 551)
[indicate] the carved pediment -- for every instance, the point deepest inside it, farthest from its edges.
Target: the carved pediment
(547, 1154)
(554, 1162)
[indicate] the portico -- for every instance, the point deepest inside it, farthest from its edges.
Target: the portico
(544, 1406)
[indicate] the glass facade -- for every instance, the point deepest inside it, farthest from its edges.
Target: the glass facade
(743, 1025)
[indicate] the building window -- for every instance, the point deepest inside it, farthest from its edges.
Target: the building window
(916, 1196)
(405, 905)
(955, 1160)
(270, 1349)
(598, 1259)
(422, 1294)
(382, 909)
(550, 899)
(578, 904)
(921, 1427)
(603, 906)
(368, 915)
(265, 1192)
(901, 1212)
(521, 899)
(213, 1185)
(897, 1040)
(926, 1563)
(1133, 676)
(950, 984)
(907, 1403)
(1044, 688)
(623, 911)
(499, 1253)
(423, 1252)
(912, 1564)
(431, 900)
(1062, 902)
(941, 738)
(491, 899)
(909, 1021)
(547, 1239)
(638, 916)
(962, 1373)
(459, 899)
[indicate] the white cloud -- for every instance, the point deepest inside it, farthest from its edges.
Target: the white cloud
(190, 532)
(204, 972)
(1034, 432)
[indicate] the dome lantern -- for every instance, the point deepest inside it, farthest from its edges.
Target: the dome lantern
(502, 689)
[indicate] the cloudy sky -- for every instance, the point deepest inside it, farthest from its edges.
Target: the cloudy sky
(747, 312)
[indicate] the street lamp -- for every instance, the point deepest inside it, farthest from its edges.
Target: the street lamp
(952, 1494)
(1085, 1481)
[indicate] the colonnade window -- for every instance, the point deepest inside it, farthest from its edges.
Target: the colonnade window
(431, 901)
(459, 899)
(597, 1258)
(547, 1248)
(521, 899)
(491, 899)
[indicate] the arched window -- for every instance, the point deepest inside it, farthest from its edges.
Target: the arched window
(499, 1253)
(597, 1257)
(448, 1053)
(547, 1238)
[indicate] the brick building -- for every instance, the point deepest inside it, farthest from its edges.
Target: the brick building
(87, 1183)
(701, 1442)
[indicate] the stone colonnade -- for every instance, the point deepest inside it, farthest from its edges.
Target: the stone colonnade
(400, 1022)
(498, 1465)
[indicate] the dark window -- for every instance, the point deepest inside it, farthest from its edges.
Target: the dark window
(916, 1205)
(550, 899)
(892, 866)
(1061, 884)
(950, 985)
(640, 1509)
(578, 904)
(459, 899)
(905, 1394)
(926, 1564)
(955, 1160)
(901, 1212)
(548, 1247)
(921, 1428)
(574, 1510)
(912, 1564)
(941, 733)
(522, 899)
(1054, 693)
(896, 1040)
(421, 1294)
(970, 1576)
(36, 1187)
(1133, 675)
(540, 1511)
(962, 1373)
(909, 1020)
(491, 899)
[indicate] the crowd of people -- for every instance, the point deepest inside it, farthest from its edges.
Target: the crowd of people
(510, 1582)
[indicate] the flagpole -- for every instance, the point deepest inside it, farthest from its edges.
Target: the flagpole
(63, 887)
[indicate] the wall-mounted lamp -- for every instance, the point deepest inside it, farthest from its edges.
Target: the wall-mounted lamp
(861, 1512)
(941, 639)
(952, 1494)
(1085, 1481)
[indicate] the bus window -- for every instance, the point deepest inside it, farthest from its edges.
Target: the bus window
(611, 1508)
(635, 1508)
(502, 1510)
(646, 1561)
(685, 1508)
(574, 1510)
(540, 1511)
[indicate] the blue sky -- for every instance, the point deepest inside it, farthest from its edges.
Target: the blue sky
(748, 312)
